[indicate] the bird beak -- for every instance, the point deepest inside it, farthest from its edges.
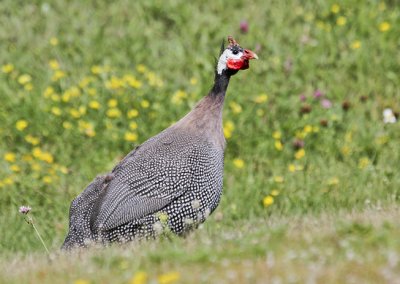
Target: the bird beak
(248, 54)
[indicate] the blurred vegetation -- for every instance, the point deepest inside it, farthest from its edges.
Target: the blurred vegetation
(83, 82)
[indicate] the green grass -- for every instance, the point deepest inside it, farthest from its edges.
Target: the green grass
(158, 58)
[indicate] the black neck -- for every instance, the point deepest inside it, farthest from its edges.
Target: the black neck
(221, 83)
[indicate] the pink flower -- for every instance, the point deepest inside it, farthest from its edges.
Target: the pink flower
(298, 144)
(24, 209)
(318, 94)
(302, 97)
(244, 26)
(325, 103)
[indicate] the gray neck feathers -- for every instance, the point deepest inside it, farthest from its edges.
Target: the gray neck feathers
(205, 119)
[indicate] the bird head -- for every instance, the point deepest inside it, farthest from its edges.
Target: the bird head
(234, 57)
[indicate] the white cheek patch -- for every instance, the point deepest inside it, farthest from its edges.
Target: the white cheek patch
(223, 59)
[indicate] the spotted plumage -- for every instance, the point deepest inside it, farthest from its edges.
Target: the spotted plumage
(173, 180)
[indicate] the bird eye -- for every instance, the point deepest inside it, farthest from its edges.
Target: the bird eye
(235, 51)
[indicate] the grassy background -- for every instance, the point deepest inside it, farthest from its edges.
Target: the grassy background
(92, 79)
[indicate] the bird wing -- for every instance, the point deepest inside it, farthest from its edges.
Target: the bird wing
(147, 180)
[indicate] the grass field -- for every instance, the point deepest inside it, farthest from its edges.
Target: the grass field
(311, 185)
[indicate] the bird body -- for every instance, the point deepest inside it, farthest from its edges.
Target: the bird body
(173, 180)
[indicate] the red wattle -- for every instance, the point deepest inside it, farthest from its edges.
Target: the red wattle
(237, 64)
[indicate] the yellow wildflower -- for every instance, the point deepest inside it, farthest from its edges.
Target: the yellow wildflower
(47, 157)
(308, 129)
(36, 152)
(58, 74)
(275, 192)
(113, 113)
(85, 81)
(32, 140)
(384, 27)
(382, 139)
(96, 69)
(56, 111)
(300, 134)
(132, 113)
(74, 113)
(363, 163)
(63, 170)
(278, 145)
(81, 281)
(90, 132)
(67, 125)
(268, 200)
(320, 25)
(54, 64)
(300, 154)
(133, 125)
(94, 104)
(114, 83)
(36, 167)
(47, 179)
(163, 217)
(54, 41)
(178, 97)
(345, 150)
(140, 277)
(112, 103)
(229, 126)
(55, 97)
(10, 157)
(92, 91)
(15, 168)
(236, 108)
(193, 81)
(28, 87)
(335, 8)
(299, 168)
(169, 278)
(292, 168)
(277, 135)
(227, 133)
(238, 163)
(261, 99)
(7, 68)
(333, 181)
(48, 92)
(8, 181)
(341, 21)
(27, 158)
(66, 97)
(355, 44)
(132, 81)
(141, 68)
(21, 124)
(278, 179)
(145, 103)
(130, 136)
(24, 79)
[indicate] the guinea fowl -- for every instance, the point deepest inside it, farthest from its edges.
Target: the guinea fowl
(173, 180)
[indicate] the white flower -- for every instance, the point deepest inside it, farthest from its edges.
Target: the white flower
(158, 228)
(188, 221)
(196, 204)
(24, 209)
(388, 116)
(207, 213)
